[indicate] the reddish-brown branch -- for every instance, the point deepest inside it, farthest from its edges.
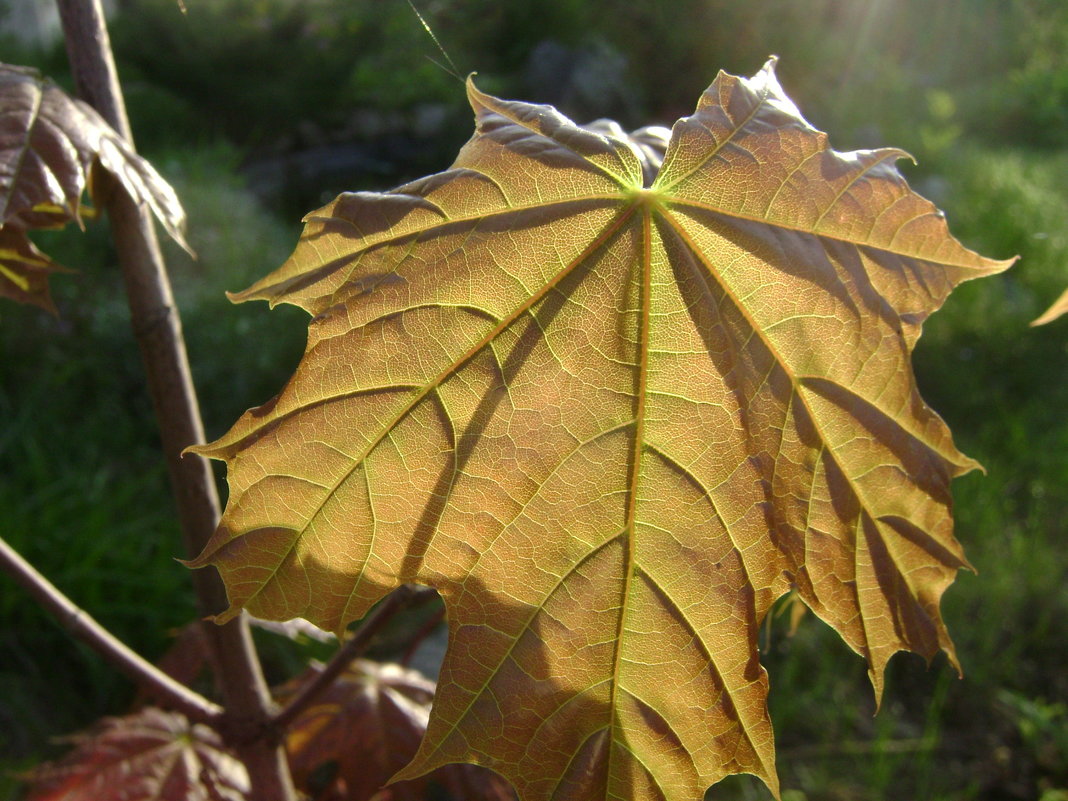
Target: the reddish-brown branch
(352, 649)
(424, 631)
(158, 329)
(83, 627)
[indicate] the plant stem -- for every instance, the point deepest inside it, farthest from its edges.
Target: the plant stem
(352, 649)
(83, 627)
(417, 639)
(158, 330)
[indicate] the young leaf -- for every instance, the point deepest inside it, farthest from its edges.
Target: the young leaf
(365, 728)
(611, 420)
(151, 756)
(49, 146)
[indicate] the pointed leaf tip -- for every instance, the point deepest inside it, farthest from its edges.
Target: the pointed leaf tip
(1059, 308)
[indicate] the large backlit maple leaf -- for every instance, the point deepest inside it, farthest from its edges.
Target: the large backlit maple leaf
(611, 418)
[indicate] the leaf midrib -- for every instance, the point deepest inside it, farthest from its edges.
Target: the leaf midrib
(630, 523)
(262, 291)
(676, 202)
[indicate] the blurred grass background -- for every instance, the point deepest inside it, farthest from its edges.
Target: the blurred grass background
(260, 110)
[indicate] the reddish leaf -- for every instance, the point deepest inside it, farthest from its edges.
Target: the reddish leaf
(184, 660)
(50, 145)
(364, 728)
(150, 756)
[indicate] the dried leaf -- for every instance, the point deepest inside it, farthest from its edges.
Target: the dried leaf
(150, 756)
(364, 728)
(611, 414)
(49, 146)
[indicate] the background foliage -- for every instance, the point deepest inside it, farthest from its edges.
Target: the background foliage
(258, 110)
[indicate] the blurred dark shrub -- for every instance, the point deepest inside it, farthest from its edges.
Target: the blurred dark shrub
(1032, 98)
(281, 72)
(256, 70)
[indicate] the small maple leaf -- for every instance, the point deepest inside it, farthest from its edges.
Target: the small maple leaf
(363, 729)
(50, 145)
(153, 755)
(611, 413)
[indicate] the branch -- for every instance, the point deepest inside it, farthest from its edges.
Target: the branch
(157, 326)
(352, 649)
(83, 627)
(417, 639)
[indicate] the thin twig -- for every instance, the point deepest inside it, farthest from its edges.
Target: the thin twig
(352, 649)
(424, 631)
(83, 627)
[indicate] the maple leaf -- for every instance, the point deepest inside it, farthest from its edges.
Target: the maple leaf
(611, 414)
(365, 727)
(153, 755)
(49, 146)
